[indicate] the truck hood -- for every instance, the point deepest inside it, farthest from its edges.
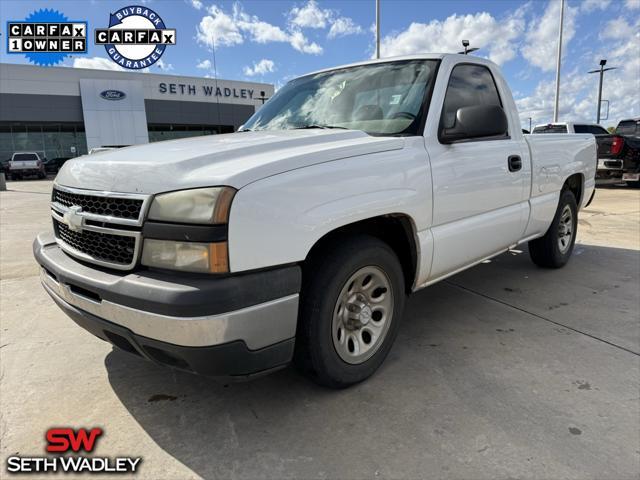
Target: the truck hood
(235, 159)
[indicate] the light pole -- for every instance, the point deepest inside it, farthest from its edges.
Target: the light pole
(601, 71)
(467, 50)
(558, 62)
(377, 28)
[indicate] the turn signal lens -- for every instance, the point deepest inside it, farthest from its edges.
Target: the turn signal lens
(186, 256)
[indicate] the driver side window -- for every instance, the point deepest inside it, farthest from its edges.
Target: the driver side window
(469, 85)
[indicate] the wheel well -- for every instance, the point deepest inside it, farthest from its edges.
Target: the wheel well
(395, 230)
(574, 184)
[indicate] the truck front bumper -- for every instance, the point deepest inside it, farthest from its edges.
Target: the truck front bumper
(238, 325)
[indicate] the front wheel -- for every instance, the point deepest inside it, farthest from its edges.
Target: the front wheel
(352, 302)
(554, 249)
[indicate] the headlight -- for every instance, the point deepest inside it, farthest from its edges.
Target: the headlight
(200, 205)
(186, 256)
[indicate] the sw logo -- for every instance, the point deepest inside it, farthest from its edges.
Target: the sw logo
(136, 38)
(65, 440)
(46, 37)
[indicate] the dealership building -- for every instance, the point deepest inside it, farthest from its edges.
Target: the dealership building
(63, 112)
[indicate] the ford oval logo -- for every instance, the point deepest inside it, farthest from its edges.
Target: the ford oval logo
(113, 95)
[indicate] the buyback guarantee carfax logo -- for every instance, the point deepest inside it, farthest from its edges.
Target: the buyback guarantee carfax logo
(136, 38)
(69, 444)
(46, 37)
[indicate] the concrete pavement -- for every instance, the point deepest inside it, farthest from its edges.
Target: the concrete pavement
(503, 371)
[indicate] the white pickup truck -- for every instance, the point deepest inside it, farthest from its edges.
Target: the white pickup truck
(23, 164)
(299, 237)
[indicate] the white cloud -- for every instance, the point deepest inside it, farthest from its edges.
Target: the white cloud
(300, 43)
(618, 29)
(632, 4)
(579, 90)
(205, 65)
(541, 44)
(591, 5)
(343, 26)
(220, 28)
(310, 16)
(96, 63)
(497, 38)
(261, 68)
(197, 4)
(162, 65)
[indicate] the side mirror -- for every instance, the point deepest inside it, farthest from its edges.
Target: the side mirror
(475, 122)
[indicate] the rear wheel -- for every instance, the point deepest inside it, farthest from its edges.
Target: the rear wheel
(554, 249)
(352, 303)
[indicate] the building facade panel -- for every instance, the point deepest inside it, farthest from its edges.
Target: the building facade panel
(44, 108)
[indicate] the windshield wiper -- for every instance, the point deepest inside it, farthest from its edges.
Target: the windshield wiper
(313, 125)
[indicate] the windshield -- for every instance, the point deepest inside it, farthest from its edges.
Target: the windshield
(551, 129)
(629, 127)
(379, 99)
(21, 157)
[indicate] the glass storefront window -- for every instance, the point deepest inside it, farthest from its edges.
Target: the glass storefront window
(50, 140)
(6, 143)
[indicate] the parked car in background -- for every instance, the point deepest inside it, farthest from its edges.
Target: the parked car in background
(4, 166)
(609, 169)
(299, 238)
(24, 164)
(626, 149)
(52, 166)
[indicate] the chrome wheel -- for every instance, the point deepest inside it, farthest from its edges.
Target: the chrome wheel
(565, 229)
(362, 315)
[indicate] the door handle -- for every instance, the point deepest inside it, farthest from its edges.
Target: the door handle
(515, 163)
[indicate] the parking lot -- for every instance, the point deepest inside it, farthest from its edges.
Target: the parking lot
(503, 371)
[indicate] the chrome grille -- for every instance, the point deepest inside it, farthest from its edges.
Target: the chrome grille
(101, 246)
(99, 227)
(117, 207)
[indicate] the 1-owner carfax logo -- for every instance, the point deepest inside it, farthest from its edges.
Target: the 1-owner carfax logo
(136, 38)
(46, 37)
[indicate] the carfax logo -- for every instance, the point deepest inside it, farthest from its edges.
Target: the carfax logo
(136, 38)
(46, 37)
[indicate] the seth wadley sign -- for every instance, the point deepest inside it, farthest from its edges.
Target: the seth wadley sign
(206, 90)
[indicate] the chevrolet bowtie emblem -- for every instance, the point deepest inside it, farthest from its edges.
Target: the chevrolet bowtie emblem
(73, 219)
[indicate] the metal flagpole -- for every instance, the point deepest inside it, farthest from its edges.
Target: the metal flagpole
(559, 60)
(377, 28)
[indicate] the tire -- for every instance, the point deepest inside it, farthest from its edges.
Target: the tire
(633, 184)
(554, 249)
(341, 308)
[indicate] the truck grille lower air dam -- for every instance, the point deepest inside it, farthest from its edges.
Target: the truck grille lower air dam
(104, 228)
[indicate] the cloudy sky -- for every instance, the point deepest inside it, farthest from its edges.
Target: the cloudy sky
(273, 41)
